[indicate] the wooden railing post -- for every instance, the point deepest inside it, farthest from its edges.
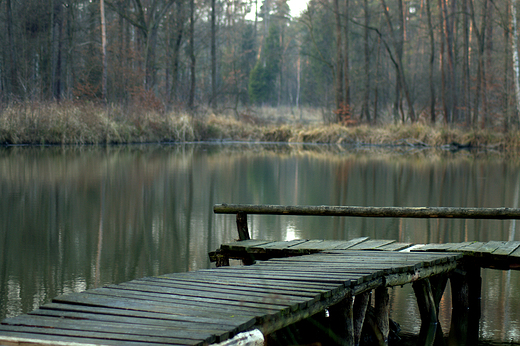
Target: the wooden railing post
(243, 232)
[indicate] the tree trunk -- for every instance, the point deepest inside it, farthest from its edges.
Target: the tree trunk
(103, 51)
(516, 64)
(481, 35)
(346, 67)
(177, 40)
(443, 63)
(12, 68)
(365, 112)
(465, 66)
(432, 61)
(339, 62)
(452, 89)
(191, 100)
(213, 102)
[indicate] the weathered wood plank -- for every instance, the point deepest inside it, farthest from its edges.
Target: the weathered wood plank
(394, 246)
(34, 336)
(236, 279)
(220, 287)
(507, 248)
(371, 244)
(169, 295)
(222, 314)
(230, 301)
(490, 246)
(153, 317)
(351, 243)
(471, 248)
(106, 329)
(244, 244)
(278, 245)
(308, 245)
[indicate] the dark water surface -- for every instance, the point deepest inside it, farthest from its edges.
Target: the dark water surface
(81, 217)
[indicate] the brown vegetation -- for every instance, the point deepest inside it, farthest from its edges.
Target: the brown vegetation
(88, 123)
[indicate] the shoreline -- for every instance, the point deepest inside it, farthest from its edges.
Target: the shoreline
(86, 124)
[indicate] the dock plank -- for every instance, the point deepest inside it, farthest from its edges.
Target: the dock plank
(371, 244)
(507, 248)
(108, 329)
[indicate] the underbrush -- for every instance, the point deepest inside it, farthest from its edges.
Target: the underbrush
(88, 123)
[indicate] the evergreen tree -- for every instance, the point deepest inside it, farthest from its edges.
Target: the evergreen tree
(262, 81)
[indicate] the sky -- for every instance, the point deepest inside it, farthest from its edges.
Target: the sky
(297, 7)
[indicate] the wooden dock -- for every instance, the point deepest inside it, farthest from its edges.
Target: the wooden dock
(282, 283)
(214, 305)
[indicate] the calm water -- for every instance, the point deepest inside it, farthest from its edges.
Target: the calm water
(82, 217)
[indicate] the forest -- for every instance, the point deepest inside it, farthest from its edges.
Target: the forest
(363, 61)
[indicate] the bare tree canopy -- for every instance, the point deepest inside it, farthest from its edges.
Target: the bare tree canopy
(450, 61)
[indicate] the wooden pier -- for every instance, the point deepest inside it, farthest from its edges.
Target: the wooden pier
(283, 283)
(214, 305)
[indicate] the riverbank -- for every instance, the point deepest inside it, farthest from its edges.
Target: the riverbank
(78, 124)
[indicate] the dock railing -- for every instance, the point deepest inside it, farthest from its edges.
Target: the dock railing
(241, 210)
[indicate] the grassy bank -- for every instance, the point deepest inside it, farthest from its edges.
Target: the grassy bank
(70, 123)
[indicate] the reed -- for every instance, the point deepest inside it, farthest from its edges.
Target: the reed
(89, 123)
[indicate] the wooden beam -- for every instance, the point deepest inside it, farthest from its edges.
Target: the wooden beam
(402, 212)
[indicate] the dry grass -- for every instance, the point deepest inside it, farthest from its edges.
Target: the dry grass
(85, 123)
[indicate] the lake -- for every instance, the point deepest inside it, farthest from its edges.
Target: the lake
(75, 218)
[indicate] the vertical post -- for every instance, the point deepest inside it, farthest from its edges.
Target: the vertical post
(382, 312)
(466, 291)
(243, 232)
(341, 316)
(360, 309)
(431, 332)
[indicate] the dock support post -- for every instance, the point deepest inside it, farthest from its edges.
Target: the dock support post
(243, 232)
(466, 302)
(428, 296)
(341, 316)
(361, 302)
(382, 312)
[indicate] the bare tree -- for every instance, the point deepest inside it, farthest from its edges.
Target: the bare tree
(397, 43)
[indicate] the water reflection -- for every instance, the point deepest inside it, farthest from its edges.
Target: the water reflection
(81, 217)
